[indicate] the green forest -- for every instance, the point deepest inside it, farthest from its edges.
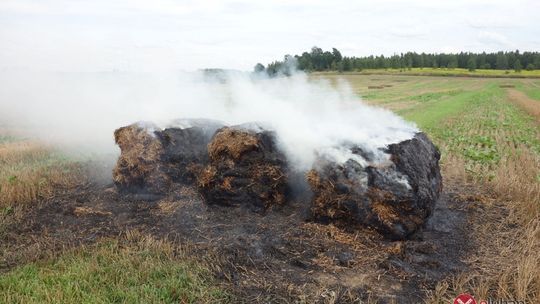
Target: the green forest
(319, 60)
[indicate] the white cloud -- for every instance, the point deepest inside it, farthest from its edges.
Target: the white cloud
(190, 34)
(409, 32)
(493, 38)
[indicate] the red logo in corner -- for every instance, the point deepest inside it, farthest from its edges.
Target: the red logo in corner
(464, 299)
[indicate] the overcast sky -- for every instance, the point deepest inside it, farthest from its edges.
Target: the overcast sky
(143, 35)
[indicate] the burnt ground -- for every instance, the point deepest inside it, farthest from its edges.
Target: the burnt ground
(276, 257)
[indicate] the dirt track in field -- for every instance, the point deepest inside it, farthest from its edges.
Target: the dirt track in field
(525, 102)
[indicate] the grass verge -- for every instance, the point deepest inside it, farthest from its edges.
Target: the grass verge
(134, 269)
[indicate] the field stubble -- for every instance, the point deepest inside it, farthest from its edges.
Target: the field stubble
(490, 143)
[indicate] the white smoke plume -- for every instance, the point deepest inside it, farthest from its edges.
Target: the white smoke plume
(311, 116)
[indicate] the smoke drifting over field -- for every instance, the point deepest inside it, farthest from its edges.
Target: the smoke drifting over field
(310, 116)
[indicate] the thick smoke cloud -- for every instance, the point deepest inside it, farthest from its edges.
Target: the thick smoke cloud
(81, 110)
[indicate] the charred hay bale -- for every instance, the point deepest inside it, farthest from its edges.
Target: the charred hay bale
(395, 197)
(245, 168)
(185, 148)
(151, 159)
(139, 167)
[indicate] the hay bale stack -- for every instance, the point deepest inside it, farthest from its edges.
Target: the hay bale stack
(245, 168)
(139, 167)
(151, 159)
(395, 198)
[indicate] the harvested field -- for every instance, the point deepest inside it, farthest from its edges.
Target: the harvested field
(482, 237)
(490, 154)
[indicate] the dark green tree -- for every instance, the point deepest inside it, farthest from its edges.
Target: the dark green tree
(471, 64)
(319, 60)
(259, 67)
(421, 60)
(452, 62)
(409, 63)
(346, 64)
(536, 61)
(502, 61)
(273, 68)
(305, 62)
(481, 60)
(517, 66)
(337, 55)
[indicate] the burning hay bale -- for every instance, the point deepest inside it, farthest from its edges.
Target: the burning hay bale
(151, 159)
(245, 168)
(185, 147)
(242, 165)
(394, 197)
(139, 166)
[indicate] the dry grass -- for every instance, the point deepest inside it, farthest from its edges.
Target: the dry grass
(516, 180)
(84, 211)
(30, 171)
(506, 258)
(522, 100)
(511, 251)
(505, 263)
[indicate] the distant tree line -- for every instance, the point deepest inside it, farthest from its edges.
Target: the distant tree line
(319, 60)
